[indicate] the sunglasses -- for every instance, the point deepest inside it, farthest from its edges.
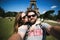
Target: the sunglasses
(24, 17)
(32, 16)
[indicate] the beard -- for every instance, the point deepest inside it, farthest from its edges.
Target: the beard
(32, 22)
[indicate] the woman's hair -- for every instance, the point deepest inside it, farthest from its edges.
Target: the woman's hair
(18, 21)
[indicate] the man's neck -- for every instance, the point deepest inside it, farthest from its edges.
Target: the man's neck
(32, 23)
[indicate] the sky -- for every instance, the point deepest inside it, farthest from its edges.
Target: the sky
(22, 5)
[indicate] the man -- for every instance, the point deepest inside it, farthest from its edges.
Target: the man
(36, 31)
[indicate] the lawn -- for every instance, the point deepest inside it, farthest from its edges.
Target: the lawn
(6, 28)
(7, 25)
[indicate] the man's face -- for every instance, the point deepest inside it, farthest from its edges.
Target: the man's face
(32, 17)
(24, 18)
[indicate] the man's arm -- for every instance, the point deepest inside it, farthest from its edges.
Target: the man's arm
(53, 30)
(57, 28)
(49, 27)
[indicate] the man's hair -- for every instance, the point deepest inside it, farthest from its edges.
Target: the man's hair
(31, 11)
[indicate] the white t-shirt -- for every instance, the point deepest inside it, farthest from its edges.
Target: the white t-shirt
(37, 33)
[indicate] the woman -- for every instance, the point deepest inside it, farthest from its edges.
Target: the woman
(19, 26)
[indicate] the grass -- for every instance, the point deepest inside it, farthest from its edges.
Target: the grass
(50, 38)
(53, 24)
(6, 29)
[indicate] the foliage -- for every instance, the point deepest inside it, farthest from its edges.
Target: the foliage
(48, 14)
(10, 14)
(2, 12)
(58, 16)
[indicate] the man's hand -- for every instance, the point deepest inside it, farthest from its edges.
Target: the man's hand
(37, 21)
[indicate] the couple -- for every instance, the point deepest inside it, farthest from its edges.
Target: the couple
(28, 27)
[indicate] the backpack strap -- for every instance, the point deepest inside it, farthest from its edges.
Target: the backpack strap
(44, 32)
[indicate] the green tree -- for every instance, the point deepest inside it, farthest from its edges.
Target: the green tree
(2, 12)
(14, 14)
(48, 14)
(58, 16)
(10, 14)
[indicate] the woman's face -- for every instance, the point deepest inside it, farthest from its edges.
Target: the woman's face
(24, 18)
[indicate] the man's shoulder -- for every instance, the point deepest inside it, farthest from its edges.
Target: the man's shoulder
(43, 23)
